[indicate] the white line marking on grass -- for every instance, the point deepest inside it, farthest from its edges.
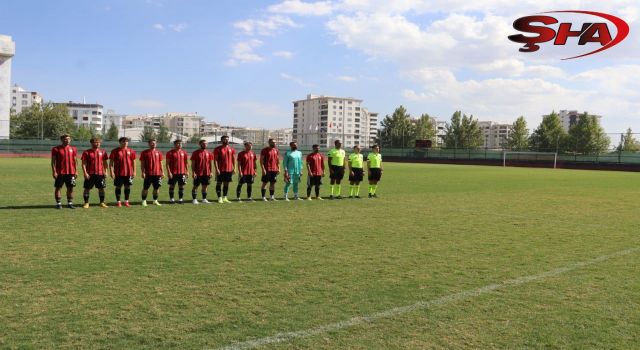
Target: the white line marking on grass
(396, 311)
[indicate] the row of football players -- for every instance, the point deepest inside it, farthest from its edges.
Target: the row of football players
(119, 164)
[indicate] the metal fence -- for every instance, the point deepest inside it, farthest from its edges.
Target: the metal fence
(38, 148)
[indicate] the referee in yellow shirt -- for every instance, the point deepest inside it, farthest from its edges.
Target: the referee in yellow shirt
(374, 165)
(337, 161)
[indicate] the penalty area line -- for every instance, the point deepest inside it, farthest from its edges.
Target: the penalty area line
(396, 311)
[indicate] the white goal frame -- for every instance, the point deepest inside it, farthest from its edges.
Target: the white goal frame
(555, 156)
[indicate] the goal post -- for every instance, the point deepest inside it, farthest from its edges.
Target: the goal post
(530, 157)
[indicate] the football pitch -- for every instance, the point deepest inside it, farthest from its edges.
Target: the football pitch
(448, 257)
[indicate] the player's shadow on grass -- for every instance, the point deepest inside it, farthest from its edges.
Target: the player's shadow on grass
(29, 207)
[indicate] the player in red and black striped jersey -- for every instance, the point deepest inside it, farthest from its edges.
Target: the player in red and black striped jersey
(122, 169)
(64, 170)
(94, 168)
(152, 173)
(246, 170)
(315, 171)
(201, 171)
(177, 164)
(224, 158)
(270, 164)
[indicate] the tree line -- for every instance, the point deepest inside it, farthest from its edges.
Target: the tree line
(49, 121)
(586, 136)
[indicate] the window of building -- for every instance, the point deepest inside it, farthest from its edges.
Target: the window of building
(349, 102)
(334, 112)
(24, 103)
(25, 95)
(85, 118)
(340, 107)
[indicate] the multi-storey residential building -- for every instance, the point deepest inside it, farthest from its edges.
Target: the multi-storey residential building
(495, 134)
(186, 124)
(87, 115)
(23, 99)
(569, 118)
(324, 119)
(7, 50)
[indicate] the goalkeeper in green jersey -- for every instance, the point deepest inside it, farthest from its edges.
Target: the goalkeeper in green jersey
(292, 170)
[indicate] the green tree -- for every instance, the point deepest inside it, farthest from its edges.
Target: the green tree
(195, 138)
(163, 134)
(398, 129)
(587, 136)
(463, 132)
(549, 136)
(519, 137)
(147, 133)
(83, 133)
(629, 142)
(48, 121)
(112, 133)
(425, 128)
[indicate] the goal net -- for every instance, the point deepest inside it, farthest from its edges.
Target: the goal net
(531, 158)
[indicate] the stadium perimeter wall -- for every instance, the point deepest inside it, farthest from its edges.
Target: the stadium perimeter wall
(622, 161)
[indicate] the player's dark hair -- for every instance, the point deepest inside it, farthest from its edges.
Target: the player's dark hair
(224, 136)
(336, 141)
(177, 141)
(64, 136)
(292, 143)
(152, 139)
(374, 146)
(314, 146)
(201, 141)
(248, 143)
(271, 140)
(123, 138)
(95, 139)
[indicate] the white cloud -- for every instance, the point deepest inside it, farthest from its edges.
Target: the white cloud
(178, 28)
(148, 104)
(296, 80)
(267, 114)
(158, 26)
(300, 8)
(346, 78)
(284, 54)
(265, 27)
(242, 52)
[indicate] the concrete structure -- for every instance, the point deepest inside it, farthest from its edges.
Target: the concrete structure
(109, 117)
(23, 99)
(495, 134)
(187, 124)
(570, 118)
(441, 132)
(7, 51)
(323, 119)
(85, 114)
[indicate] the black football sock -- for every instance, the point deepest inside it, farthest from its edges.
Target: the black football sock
(101, 195)
(144, 195)
(225, 190)
(194, 194)
(308, 191)
(171, 193)
(317, 191)
(180, 193)
(85, 196)
(127, 192)
(238, 190)
(249, 190)
(69, 200)
(263, 191)
(155, 196)
(218, 189)
(204, 195)
(272, 192)
(118, 193)
(58, 199)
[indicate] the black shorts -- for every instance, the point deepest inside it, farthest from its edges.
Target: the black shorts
(357, 175)
(375, 174)
(247, 179)
(224, 176)
(337, 172)
(314, 180)
(201, 180)
(99, 181)
(270, 176)
(123, 180)
(149, 180)
(68, 180)
(180, 179)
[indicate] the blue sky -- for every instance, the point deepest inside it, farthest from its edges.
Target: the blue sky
(243, 62)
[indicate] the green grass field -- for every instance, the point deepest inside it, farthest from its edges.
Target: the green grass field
(201, 277)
